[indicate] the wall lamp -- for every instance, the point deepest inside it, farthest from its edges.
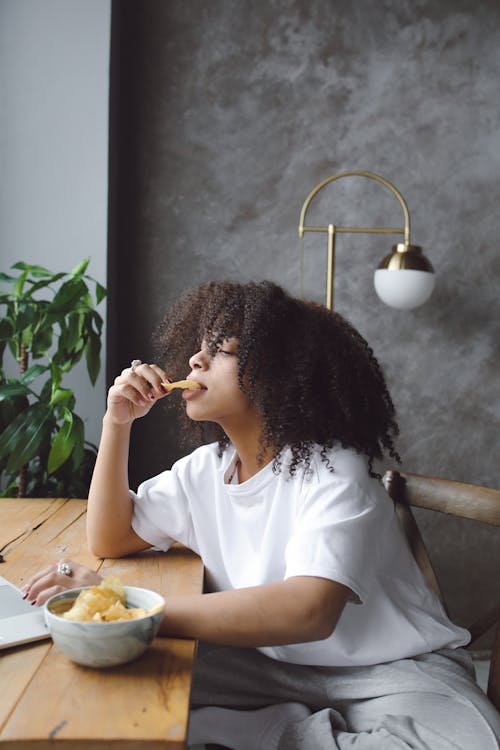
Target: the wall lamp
(404, 279)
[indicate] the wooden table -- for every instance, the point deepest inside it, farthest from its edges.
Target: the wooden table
(46, 701)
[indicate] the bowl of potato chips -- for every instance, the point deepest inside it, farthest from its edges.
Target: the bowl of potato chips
(104, 625)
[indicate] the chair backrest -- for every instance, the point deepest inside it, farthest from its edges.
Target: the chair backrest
(465, 501)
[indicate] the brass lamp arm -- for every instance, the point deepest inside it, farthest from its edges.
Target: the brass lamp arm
(381, 230)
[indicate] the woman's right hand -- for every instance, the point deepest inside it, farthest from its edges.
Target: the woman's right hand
(134, 392)
(50, 581)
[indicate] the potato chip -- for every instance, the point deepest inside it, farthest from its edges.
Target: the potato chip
(103, 603)
(189, 384)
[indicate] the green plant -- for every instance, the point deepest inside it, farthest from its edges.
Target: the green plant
(49, 322)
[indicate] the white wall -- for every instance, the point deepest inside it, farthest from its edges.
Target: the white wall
(54, 91)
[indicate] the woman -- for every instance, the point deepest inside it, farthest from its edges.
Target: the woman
(317, 629)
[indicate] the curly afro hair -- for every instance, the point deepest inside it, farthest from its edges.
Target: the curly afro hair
(310, 374)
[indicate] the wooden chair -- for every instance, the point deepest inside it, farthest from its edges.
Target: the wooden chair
(462, 500)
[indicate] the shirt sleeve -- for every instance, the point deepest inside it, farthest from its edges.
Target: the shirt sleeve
(337, 535)
(161, 513)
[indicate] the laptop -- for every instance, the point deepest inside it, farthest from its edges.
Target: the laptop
(20, 622)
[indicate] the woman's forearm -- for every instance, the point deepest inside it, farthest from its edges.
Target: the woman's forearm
(300, 609)
(109, 517)
(109, 509)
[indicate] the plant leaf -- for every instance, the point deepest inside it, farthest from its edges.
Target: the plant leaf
(46, 392)
(25, 318)
(21, 440)
(56, 375)
(92, 354)
(78, 449)
(10, 490)
(13, 389)
(68, 295)
(33, 269)
(62, 444)
(40, 271)
(32, 373)
(71, 341)
(19, 284)
(42, 341)
(61, 396)
(45, 282)
(6, 329)
(14, 347)
(98, 321)
(100, 292)
(80, 268)
(10, 408)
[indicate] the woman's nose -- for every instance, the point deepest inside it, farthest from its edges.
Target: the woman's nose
(198, 360)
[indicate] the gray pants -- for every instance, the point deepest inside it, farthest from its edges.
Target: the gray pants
(430, 702)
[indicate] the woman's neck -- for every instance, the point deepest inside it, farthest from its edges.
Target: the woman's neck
(249, 466)
(248, 446)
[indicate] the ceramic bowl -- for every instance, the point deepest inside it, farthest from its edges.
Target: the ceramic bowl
(104, 644)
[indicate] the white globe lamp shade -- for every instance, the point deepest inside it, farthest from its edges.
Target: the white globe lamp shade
(405, 279)
(404, 289)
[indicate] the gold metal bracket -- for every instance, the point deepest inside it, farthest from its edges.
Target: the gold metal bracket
(333, 230)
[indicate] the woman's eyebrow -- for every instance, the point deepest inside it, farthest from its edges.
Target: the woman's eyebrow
(231, 340)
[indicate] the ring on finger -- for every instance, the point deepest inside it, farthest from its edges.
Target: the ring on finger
(135, 363)
(64, 568)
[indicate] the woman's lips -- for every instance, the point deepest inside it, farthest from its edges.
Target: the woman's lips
(188, 394)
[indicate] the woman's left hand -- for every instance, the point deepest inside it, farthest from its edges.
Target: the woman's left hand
(50, 581)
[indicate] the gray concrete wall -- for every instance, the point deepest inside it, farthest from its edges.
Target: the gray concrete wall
(239, 109)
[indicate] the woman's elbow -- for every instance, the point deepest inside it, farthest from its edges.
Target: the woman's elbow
(98, 549)
(102, 547)
(321, 626)
(323, 610)
(115, 546)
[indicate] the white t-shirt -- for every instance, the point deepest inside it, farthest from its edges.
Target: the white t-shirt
(339, 525)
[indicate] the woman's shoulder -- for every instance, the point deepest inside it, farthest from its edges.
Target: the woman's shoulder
(342, 475)
(342, 466)
(343, 462)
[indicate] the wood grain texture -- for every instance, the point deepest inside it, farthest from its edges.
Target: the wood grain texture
(50, 700)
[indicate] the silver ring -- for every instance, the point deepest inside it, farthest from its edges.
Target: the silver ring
(135, 363)
(64, 568)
